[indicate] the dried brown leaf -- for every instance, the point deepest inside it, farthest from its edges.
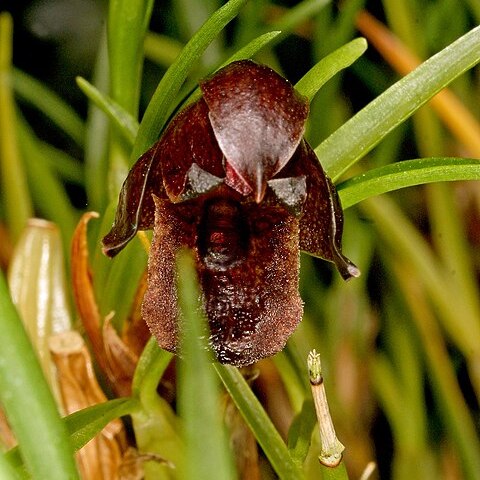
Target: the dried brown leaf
(101, 457)
(114, 357)
(6, 247)
(121, 359)
(83, 289)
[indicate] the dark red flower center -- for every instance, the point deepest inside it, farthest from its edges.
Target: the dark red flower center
(223, 234)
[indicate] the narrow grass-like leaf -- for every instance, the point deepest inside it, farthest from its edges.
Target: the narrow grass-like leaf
(150, 368)
(62, 164)
(7, 472)
(206, 453)
(97, 138)
(28, 402)
(453, 112)
(398, 380)
(449, 225)
(56, 205)
(155, 424)
(475, 8)
(159, 107)
(299, 13)
(300, 433)
(406, 174)
(127, 25)
(341, 28)
(248, 51)
(259, 422)
(125, 122)
(388, 390)
(407, 243)
(85, 424)
(253, 47)
(337, 473)
(329, 66)
(190, 15)
(50, 104)
(293, 383)
(161, 49)
(14, 192)
(362, 132)
(455, 412)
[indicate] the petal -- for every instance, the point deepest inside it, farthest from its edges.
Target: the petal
(135, 210)
(321, 224)
(248, 264)
(189, 140)
(258, 119)
(252, 301)
(198, 182)
(185, 162)
(174, 228)
(291, 191)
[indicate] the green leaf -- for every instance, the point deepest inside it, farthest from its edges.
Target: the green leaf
(120, 117)
(161, 49)
(127, 26)
(7, 472)
(87, 423)
(408, 245)
(266, 434)
(97, 138)
(300, 432)
(406, 174)
(301, 12)
(150, 368)
(13, 190)
(329, 66)
(50, 104)
(362, 132)
(253, 47)
(160, 106)
(337, 473)
(28, 402)
(56, 205)
(206, 453)
(190, 16)
(62, 164)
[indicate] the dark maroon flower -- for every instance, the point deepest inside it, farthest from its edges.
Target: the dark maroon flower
(233, 179)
